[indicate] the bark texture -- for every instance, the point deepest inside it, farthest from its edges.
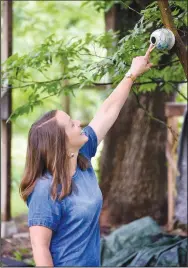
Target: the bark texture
(133, 163)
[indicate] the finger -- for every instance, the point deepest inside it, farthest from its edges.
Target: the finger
(149, 66)
(151, 47)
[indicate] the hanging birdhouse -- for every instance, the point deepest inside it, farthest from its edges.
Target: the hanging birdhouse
(162, 39)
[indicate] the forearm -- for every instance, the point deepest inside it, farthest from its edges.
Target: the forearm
(118, 97)
(42, 256)
(111, 107)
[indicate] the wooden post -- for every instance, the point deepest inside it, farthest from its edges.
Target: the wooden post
(172, 111)
(171, 121)
(7, 226)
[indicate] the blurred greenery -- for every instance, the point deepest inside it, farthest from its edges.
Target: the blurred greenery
(62, 41)
(33, 22)
(181, 98)
(81, 59)
(17, 205)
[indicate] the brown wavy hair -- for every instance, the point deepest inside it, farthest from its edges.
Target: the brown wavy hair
(46, 151)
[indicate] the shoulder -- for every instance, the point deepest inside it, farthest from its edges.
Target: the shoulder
(42, 188)
(42, 210)
(43, 184)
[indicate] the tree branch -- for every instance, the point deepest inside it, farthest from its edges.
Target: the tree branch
(153, 81)
(85, 54)
(131, 8)
(165, 64)
(179, 92)
(175, 135)
(4, 90)
(168, 22)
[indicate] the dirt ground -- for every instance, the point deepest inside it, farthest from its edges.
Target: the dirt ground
(19, 247)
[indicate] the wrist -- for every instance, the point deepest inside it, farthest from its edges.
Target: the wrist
(134, 73)
(130, 74)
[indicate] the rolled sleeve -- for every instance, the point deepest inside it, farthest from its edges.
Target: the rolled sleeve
(89, 149)
(43, 211)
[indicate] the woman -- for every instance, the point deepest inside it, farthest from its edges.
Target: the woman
(60, 186)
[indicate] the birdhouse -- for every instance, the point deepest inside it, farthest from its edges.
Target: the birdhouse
(162, 39)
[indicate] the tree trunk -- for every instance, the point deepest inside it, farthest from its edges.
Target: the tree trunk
(133, 163)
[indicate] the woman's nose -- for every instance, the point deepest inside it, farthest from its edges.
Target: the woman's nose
(78, 123)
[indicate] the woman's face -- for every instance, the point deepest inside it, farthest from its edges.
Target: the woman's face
(76, 139)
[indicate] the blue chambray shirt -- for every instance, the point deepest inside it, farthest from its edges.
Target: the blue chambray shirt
(74, 220)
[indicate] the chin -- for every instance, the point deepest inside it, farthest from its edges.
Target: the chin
(80, 142)
(84, 140)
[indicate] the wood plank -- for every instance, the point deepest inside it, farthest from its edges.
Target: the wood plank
(6, 51)
(172, 121)
(174, 109)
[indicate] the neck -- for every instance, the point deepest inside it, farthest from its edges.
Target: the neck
(73, 164)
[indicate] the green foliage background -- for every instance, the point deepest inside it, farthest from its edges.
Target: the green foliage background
(60, 48)
(33, 22)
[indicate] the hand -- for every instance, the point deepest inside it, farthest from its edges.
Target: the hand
(141, 64)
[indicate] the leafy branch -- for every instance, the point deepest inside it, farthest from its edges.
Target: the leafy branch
(159, 81)
(71, 63)
(153, 81)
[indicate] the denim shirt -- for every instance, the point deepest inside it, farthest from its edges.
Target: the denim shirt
(74, 221)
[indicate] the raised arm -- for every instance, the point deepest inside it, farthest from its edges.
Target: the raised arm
(111, 107)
